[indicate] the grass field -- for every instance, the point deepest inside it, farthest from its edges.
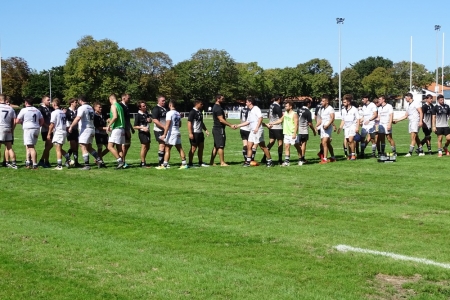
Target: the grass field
(227, 233)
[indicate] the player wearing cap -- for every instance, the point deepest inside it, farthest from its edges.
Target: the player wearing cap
(86, 128)
(350, 124)
(172, 136)
(385, 116)
(141, 123)
(415, 116)
(7, 126)
(427, 110)
(196, 126)
(256, 137)
(31, 120)
(440, 116)
(304, 121)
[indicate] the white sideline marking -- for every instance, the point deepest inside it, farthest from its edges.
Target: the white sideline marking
(345, 248)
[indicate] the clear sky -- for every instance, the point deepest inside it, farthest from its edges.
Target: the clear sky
(276, 34)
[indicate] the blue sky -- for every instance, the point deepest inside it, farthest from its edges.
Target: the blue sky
(276, 34)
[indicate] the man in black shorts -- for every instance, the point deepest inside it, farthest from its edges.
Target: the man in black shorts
(72, 137)
(304, 121)
(276, 132)
(141, 123)
(196, 136)
(159, 122)
(427, 110)
(101, 134)
(46, 111)
(440, 116)
(218, 130)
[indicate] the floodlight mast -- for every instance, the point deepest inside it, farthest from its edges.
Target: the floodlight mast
(436, 89)
(340, 21)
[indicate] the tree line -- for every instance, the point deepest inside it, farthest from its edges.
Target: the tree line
(97, 68)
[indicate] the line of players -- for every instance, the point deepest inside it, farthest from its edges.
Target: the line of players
(289, 128)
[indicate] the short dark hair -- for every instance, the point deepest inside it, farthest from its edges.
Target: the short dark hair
(197, 101)
(307, 101)
(73, 100)
(348, 97)
(140, 102)
(97, 103)
(326, 96)
(366, 96)
(82, 98)
(173, 102)
(251, 100)
(278, 97)
(409, 95)
(28, 100)
(429, 96)
(440, 96)
(218, 96)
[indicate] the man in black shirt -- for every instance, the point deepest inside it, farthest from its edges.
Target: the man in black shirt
(141, 123)
(46, 111)
(72, 137)
(159, 121)
(218, 130)
(427, 109)
(196, 136)
(101, 134)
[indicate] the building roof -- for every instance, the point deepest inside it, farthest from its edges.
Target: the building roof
(432, 87)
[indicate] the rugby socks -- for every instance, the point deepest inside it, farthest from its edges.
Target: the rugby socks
(345, 151)
(394, 150)
(59, 162)
(383, 148)
(287, 159)
(374, 148)
(183, 162)
(75, 156)
(86, 159)
(160, 157)
(411, 149)
(253, 153)
(165, 163)
(244, 152)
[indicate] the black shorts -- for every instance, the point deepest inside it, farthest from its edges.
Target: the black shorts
(101, 139)
(73, 136)
(157, 135)
(127, 136)
(219, 137)
(244, 134)
(276, 134)
(44, 136)
(426, 131)
(443, 131)
(144, 137)
(199, 138)
(303, 138)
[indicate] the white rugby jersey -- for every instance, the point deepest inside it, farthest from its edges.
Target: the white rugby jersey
(253, 118)
(30, 117)
(350, 117)
(58, 117)
(86, 114)
(175, 118)
(7, 115)
(385, 112)
(367, 111)
(411, 109)
(325, 115)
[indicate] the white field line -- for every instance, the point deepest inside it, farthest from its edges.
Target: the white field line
(345, 248)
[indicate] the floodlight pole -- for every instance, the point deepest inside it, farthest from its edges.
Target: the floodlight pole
(50, 84)
(442, 70)
(340, 21)
(436, 89)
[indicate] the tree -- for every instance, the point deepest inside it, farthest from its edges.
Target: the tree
(15, 74)
(350, 83)
(99, 68)
(401, 74)
(250, 80)
(38, 83)
(208, 72)
(291, 82)
(379, 82)
(317, 75)
(366, 66)
(151, 68)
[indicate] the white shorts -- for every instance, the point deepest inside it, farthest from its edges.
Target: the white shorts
(5, 135)
(350, 131)
(86, 136)
(326, 133)
(30, 136)
(367, 130)
(59, 138)
(289, 140)
(256, 138)
(117, 136)
(173, 139)
(382, 128)
(413, 126)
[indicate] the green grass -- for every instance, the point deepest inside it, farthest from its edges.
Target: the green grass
(225, 233)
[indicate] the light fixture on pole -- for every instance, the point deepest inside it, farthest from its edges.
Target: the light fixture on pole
(339, 21)
(436, 89)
